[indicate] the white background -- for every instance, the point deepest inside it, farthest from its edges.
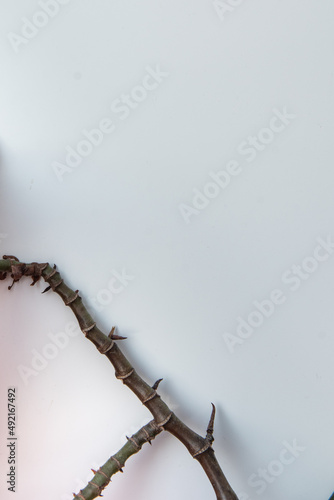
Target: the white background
(120, 209)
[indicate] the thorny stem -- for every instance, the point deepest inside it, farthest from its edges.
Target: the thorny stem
(200, 448)
(116, 462)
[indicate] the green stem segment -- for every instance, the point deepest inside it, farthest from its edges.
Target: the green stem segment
(198, 446)
(116, 462)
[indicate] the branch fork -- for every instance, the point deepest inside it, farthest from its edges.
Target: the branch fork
(163, 418)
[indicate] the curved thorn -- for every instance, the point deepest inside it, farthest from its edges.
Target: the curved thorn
(113, 336)
(209, 431)
(10, 257)
(156, 384)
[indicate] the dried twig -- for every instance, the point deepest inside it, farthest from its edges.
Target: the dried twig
(116, 462)
(199, 447)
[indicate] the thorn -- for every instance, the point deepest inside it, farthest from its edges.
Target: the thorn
(112, 332)
(10, 257)
(112, 336)
(209, 431)
(93, 471)
(212, 419)
(11, 286)
(156, 384)
(74, 494)
(47, 289)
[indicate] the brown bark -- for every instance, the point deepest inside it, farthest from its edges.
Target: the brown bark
(199, 447)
